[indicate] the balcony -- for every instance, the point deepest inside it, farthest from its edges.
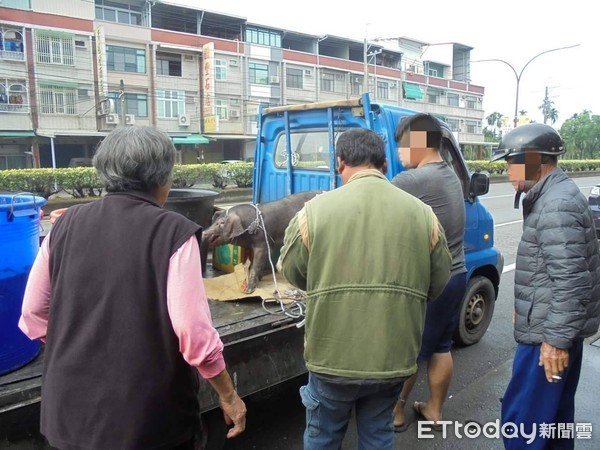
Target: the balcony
(14, 55)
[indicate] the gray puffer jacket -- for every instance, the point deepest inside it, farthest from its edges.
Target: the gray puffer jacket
(557, 275)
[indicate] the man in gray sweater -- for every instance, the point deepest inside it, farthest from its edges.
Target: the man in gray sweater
(557, 290)
(436, 184)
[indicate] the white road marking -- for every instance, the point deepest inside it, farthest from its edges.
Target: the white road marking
(508, 223)
(508, 268)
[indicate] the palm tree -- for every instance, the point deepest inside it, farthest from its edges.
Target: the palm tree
(548, 110)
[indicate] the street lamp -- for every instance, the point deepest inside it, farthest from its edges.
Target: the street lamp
(518, 75)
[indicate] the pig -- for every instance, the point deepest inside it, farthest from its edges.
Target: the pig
(242, 225)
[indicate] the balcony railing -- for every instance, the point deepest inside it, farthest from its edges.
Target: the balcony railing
(7, 54)
(5, 107)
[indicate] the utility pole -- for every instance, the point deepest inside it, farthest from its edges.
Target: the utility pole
(122, 103)
(546, 108)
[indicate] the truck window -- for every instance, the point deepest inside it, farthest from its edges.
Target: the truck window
(310, 150)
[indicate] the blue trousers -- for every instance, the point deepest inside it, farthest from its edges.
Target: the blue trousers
(531, 400)
(329, 408)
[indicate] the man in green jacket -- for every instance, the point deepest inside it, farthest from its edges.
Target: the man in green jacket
(369, 256)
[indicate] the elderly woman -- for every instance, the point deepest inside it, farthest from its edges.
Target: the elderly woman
(116, 294)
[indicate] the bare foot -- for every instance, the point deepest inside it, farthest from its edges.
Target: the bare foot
(399, 419)
(422, 410)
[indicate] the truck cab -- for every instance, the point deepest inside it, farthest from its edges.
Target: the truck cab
(295, 151)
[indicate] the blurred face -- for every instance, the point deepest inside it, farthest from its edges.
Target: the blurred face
(413, 148)
(524, 170)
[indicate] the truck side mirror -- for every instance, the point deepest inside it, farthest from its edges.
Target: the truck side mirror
(480, 184)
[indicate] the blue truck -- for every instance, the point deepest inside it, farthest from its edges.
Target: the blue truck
(295, 152)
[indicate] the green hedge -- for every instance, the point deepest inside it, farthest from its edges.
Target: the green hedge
(83, 182)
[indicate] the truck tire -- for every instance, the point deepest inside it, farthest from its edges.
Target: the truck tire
(476, 311)
(214, 430)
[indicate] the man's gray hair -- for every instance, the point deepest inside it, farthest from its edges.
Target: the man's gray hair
(135, 158)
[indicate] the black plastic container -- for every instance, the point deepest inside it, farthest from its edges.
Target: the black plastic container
(197, 205)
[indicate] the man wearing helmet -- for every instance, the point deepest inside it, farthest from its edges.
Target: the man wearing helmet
(557, 285)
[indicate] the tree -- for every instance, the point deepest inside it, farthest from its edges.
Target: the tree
(548, 110)
(581, 136)
(494, 132)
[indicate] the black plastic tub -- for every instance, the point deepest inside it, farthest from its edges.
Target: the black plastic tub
(196, 204)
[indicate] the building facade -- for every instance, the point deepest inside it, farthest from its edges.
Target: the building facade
(71, 71)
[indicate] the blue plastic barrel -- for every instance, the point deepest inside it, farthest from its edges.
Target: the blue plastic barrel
(19, 244)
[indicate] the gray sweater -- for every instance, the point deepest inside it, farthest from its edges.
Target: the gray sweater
(437, 185)
(557, 275)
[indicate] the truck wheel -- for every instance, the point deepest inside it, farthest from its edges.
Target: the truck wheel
(476, 311)
(214, 430)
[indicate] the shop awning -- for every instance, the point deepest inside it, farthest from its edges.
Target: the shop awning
(232, 136)
(16, 134)
(412, 91)
(191, 139)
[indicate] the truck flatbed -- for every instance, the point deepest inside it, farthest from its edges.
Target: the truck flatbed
(262, 349)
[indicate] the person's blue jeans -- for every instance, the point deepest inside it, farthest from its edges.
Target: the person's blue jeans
(530, 400)
(329, 408)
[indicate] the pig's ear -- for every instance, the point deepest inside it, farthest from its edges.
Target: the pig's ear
(233, 226)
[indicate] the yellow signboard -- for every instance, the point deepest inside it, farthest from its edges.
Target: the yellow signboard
(211, 124)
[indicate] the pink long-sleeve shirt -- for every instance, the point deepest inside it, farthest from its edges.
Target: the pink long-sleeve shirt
(199, 342)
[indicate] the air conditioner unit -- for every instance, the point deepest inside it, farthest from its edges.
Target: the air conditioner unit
(443, 93)
(357, 80)
(233, 62)
(234, 114)
(183, 120)
(129, 119)
(112, 119)
(274, 79)
(308, 72)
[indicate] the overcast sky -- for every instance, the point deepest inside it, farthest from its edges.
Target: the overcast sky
(513, 30)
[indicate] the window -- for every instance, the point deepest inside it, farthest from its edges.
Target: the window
(433, 97)
(220, 69)
(328, 82)
(136, 104)
(355, 85)
(54, 48)
(293, 78)
(432, 72)
(117, 12)
(168, 64)
(13, 96)
(263, 37)
(259, 73)
(470, 102)
(123, 59)
(453, 124)
(222, 109)
(11, 44)
(58, 99)
(472, 126)
(310, 150)
(452, 99)
(383, 90)
(170, 103)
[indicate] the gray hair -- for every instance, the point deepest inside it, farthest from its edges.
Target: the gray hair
(135, 158)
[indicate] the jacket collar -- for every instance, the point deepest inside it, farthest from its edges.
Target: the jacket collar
(556, 176)
(367, 173)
